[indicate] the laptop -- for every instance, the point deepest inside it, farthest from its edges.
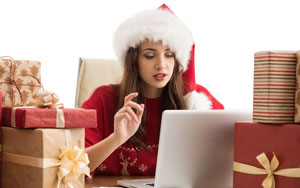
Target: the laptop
(195, 150)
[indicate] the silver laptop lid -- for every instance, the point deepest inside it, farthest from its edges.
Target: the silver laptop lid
(196, 148)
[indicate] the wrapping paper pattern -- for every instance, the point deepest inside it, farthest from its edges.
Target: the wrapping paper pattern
(274, 87)
(44, 144)
(19, 80)
(252, 139)
(297, 97)
(47, 118)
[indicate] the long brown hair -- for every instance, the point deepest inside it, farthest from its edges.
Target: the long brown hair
(171, 98)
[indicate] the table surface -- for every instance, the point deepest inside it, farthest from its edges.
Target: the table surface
(111, 181)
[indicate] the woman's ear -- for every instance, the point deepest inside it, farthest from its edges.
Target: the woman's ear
(180, 67)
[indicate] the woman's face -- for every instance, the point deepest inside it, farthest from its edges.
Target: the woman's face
(156, 64)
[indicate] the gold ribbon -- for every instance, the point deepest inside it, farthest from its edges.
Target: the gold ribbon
(13, 115)
(60, 118)
(269, 169)
(47, 99)
(72, 162)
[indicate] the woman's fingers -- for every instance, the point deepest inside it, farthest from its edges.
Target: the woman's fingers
(120, 116)
(129, 110)
(133, 105)
(139, 113)
(130, 97)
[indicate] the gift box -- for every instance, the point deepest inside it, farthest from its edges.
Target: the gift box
(0, 137)
(46, 118)
(256, 144)
(297, 97)
(274, 87)
(20, 81)
(50, 158)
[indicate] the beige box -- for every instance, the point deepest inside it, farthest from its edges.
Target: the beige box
(19, 80)
(41, 144)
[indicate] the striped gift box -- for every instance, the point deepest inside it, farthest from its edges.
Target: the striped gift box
(274, 86)
(297, 97)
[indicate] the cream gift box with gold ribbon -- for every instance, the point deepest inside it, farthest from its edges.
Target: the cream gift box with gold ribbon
(51, 158)
(20, 81)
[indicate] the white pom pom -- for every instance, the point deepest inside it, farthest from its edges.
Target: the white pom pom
(197, 101)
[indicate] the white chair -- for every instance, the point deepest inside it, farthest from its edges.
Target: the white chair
(94, 73)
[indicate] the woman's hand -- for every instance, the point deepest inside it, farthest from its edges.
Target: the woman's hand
(126, 121)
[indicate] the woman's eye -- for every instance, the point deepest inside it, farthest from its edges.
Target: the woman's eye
(170, 55)
(149, 56)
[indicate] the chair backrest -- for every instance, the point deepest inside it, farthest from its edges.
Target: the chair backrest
(93, 73)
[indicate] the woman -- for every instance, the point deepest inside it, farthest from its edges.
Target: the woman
(154, 47)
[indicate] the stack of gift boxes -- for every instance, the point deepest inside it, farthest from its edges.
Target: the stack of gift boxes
(41, 147)
(267, 150)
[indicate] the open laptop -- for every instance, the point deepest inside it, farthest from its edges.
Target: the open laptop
(195, 150)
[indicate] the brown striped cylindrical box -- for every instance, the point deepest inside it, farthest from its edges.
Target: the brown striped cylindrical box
(274, 86)
(297, 97)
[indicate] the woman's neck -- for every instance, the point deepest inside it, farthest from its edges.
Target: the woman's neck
(152, 92)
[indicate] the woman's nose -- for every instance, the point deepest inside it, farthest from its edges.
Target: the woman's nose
(161, 62)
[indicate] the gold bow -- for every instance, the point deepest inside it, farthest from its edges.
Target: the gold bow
(269, 169)
(72, 162)
(47, 99)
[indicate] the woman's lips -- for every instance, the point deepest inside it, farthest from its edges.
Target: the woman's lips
(160, 76)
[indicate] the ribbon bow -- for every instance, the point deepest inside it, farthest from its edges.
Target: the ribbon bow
(47, 99)
(73, 163)
(269, 169)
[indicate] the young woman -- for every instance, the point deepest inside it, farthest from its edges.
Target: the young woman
(156, 50)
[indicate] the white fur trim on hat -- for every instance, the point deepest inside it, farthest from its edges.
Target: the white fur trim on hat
(197, 101)
(154, 25)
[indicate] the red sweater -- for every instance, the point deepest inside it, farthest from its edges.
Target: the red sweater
(125, 160)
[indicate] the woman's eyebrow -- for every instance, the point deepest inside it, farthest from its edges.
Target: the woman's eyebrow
(151, 49)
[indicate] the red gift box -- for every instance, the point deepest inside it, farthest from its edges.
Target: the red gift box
(252, 139)
(0, 139)
(22, 117)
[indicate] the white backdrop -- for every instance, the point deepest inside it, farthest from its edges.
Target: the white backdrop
(226, 34)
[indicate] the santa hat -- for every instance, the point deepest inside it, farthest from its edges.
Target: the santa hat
(155, 25)
(162, 25)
